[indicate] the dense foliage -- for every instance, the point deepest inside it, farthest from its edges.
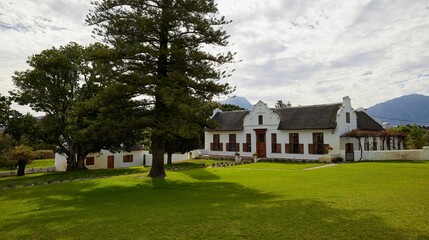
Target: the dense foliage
(68, 85)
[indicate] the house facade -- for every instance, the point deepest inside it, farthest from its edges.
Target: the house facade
(302, 133)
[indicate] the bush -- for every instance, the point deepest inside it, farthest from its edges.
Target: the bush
(337, 159)
(44, 154)
(6, 162)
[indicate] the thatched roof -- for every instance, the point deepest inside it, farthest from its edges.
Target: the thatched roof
(365, 122)
(229, 121)
(308, 117)
(298, 118)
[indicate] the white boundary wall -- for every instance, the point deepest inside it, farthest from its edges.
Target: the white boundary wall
(140, 158)
(417, 154)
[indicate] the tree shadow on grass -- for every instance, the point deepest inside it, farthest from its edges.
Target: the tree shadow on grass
(137, 207)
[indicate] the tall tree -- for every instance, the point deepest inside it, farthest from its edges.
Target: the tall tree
(170, 52)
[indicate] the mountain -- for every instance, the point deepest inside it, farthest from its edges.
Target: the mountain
(404, 110)
(238, 101)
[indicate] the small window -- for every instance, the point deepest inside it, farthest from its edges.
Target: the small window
(90, 161)
(261, 120)
(216, 138)
(248, 138)
(347, 117)
(128, 158)
(232, 138)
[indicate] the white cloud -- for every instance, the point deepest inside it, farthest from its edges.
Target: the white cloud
(306, 52)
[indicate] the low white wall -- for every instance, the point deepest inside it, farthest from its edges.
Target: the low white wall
(418, 154)
(140, 158)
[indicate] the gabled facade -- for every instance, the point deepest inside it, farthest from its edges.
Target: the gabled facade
(305, 133)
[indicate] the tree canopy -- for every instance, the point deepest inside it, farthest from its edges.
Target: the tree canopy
(169, 53)
(69, 85)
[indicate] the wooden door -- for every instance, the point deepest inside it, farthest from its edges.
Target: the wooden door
(350, 152)
(261, 145)
(110, 162)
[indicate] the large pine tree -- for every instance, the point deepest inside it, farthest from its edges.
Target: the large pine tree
(170, 52)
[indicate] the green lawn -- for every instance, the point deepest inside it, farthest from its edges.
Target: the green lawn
(41, 163)
(252, 201)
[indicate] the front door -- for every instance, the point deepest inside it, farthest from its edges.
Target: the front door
(110, 162)
(261, 145)
(350, 152)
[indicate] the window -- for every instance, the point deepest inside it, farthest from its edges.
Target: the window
(232, 145)
(347, 117)
(318, 146)
(261, 120)
(247, 146)
(275, 148)
(128, 158)
(294, 146)
(89, 161)
(216, 145)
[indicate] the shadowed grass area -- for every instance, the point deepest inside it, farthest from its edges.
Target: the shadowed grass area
(348, 201)
(42, 178)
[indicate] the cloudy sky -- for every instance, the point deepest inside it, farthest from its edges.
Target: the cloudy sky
(302, 51)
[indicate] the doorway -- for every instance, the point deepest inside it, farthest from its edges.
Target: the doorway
(110, 162)
(261, 145)
(350, 152)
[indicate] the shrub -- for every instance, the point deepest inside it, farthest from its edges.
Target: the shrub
(337, 159)
(44, 154)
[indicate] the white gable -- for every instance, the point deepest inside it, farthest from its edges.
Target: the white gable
(269, 117)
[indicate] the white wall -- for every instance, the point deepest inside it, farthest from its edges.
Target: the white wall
(417, 154)
(100, 161)
(342, 125)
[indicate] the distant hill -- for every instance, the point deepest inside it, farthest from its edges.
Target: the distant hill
(404, 110)
(238, 101)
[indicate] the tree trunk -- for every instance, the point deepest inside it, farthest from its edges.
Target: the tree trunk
(157, 170)
(80, 161)
(361, 149)
(169, 158)
(21, 168)
(71, 158)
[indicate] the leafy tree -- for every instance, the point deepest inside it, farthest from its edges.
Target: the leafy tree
(24, 128)
(281, 104)
(4, 110)
(6, 144)
(169, 53)
(229, 107)
(417, 137)
(22, 155)
(66, 83)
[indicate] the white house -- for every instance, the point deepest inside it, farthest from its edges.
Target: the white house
(304, 133)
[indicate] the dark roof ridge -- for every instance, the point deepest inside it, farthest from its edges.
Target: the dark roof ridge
(308, 106)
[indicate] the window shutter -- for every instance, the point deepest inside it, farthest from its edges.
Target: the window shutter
(301, 148)
(287, 148)
(278, 148)
(311, 148)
